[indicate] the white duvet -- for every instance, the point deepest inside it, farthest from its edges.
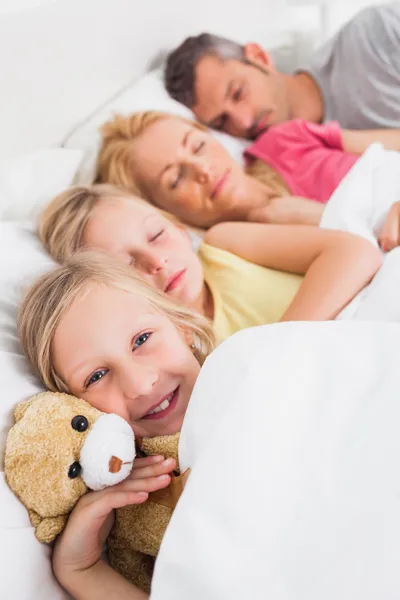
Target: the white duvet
(293, 438)
(360, 205)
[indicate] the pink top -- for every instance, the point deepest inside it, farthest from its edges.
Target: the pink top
(309, 157)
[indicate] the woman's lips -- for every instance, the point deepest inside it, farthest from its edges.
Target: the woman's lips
(174, 281)
(219, 184)
(173, 400)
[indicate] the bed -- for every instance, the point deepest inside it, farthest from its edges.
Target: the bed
(66, 65)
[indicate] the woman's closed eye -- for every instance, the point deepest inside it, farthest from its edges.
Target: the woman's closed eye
(181, 170)
(198, 147)
(176, 180)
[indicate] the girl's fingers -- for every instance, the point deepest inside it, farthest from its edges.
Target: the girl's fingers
(166, 466)
(148, 484)
(98, 505)
(123, 494)
(147, 461)
(117, 499)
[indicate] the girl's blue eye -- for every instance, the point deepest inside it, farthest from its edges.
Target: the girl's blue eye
(141, 339)
(96, 376)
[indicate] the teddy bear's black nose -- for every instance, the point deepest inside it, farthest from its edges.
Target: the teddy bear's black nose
(74, 470)
(80, 423)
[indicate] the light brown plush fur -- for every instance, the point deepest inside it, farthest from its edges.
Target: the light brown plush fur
(39, 451)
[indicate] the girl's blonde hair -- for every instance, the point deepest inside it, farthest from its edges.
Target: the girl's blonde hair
(63, 221)
(115, 163)
(48, 300)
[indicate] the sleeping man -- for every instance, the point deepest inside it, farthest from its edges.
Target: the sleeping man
(353, 79)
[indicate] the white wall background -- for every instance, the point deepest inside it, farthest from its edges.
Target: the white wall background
(60, 59)
(331, 14)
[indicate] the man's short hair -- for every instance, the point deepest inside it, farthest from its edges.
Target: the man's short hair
(180, 70)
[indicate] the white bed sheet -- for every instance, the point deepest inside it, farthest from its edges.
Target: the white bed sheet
(360, 205)
(292, 438)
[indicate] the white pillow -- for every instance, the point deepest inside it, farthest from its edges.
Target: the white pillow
(292, 435)
(25, 565)
(148, 93)
(21, 259)
(29, 181)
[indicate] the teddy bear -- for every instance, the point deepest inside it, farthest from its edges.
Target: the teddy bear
(60, 448)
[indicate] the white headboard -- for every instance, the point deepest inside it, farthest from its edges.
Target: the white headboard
(61, 59)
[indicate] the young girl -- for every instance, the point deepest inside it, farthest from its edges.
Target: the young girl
(178, 166)
(233, 279)
(96, 329)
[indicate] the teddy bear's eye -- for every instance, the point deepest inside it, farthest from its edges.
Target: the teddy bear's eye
(79, 423)
(74, 470)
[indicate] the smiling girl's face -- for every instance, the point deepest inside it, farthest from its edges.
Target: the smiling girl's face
(114, 350)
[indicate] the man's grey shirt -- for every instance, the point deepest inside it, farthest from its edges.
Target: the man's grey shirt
(358, 70)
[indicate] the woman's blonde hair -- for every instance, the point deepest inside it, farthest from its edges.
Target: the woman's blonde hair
(48, 300)
(63, 221)
(115, 163)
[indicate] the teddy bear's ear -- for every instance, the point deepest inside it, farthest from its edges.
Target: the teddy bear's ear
(21, 408)
(47, 529)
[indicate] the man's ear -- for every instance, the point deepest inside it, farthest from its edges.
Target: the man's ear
(255, 54)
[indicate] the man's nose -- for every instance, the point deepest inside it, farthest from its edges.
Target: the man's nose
(241, 119)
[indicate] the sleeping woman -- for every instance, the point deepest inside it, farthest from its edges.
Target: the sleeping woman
(176, 164)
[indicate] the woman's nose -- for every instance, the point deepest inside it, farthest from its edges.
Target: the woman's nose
(202, 170)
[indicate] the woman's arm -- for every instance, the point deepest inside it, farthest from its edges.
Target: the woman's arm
(358, 141)
(337, 264)
(288, 210)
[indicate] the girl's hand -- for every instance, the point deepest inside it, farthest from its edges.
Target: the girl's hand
(389, 236)
(80, 545)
